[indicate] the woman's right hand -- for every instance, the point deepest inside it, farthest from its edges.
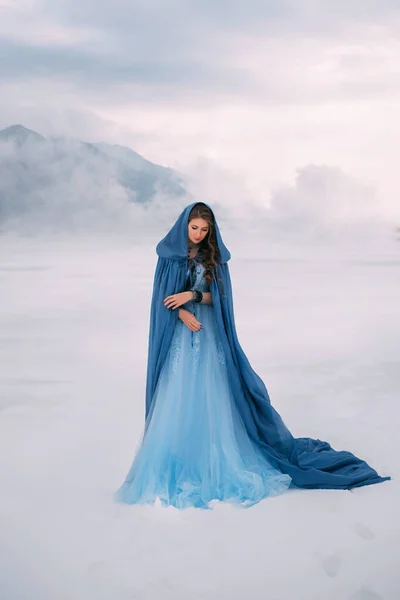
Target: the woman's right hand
(189, 319)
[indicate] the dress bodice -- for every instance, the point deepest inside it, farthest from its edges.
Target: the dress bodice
(195, 277)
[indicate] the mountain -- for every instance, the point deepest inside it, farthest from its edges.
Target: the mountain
(19, 135)
(56, 177)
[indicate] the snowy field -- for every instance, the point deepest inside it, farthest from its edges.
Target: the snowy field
(322, 330)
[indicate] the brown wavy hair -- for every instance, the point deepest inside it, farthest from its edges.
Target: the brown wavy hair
(210, 254)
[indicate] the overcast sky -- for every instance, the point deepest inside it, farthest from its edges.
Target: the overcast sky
(256, 90)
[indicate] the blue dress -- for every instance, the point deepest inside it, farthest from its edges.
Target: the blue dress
(195, 448)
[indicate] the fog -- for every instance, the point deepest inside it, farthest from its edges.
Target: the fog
(321, 329)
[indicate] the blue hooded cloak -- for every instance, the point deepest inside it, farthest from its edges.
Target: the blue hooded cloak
(311, 463)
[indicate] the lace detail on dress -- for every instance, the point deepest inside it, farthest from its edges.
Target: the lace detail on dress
(195, 349)
(195, 278)
(221, 353)
(175, 348)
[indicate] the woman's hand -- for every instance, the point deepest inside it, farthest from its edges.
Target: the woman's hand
(177, 299)
(189, 320)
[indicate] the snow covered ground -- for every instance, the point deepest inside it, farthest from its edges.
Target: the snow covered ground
(324, 333)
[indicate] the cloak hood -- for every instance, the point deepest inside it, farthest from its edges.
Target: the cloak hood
(174, 246)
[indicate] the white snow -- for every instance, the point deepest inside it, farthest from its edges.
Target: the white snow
(323, 330)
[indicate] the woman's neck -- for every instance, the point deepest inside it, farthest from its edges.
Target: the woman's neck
(193, 249)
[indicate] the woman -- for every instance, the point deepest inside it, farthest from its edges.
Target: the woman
(210, 430)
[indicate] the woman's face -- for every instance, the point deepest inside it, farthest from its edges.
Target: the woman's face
(197, 230)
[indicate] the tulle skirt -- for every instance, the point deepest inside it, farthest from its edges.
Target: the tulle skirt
(195, 448)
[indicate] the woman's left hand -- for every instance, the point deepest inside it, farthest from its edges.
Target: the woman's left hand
(177, 300)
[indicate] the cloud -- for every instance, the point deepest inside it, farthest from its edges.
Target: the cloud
(66, 185)
(260, 51)
(327, 196)
(257, 49)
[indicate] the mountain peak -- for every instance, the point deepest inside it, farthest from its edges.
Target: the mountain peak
(19, 134)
